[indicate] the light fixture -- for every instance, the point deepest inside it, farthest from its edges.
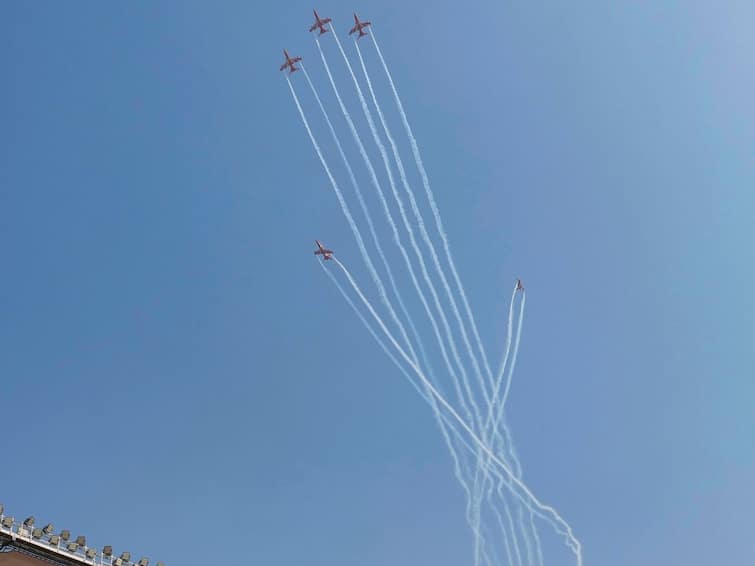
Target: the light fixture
(48, 529)
(54, 540)
(143, 562)
(81, 540)
(65, 535)
(7, 522)
(91, 553)
(107, 551)
(37, 533)
(117, 562)
(2, 508)
(126, 556)
(29, 521)
(72, 547)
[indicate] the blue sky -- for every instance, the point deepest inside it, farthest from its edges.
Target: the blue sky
(175, 368)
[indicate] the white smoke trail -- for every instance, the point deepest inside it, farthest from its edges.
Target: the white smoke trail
(418, 253)
(397, 239)
(475, 508)
(420, 221)
(479, 489)
(523, 493)
(371, 227)
(433, 205)
(441, 419)
(352, 224)
(396, 236)
(507, 350)
(513, 356)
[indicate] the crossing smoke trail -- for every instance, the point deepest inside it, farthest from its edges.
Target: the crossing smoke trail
(454, 456)
(484, 441)
(443, 421)
(428, 281)
(420, 221)
(523, 493)
(479, 489)
(397, 240)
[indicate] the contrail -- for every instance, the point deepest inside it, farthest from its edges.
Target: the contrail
(371, 226)
(418, 216)
(352, 224)
(418, 253)
(509, 329)
(421, 224)
(506, 441)
(546, 511)
(396, 236)
(513, 356)
(441, 419)
(415, 247)
(479, 490)
(433, 205)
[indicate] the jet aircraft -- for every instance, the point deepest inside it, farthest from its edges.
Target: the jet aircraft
(323, 251)
(290, 62)
(359, 26)
(519, 286)
(320, 23)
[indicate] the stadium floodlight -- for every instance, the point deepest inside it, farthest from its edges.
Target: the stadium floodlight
(7, 522)
(117, 562)
(81, 540)
(54, 540)
(65, 535)
(37, 533)
(143, 562)
(2, 508)
(107, 551)
(160, 564)
(91, 553)
(29, 521)
(72, 547)
(126, 556)
(48, 529)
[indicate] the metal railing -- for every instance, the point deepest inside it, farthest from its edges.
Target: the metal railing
(25, 536)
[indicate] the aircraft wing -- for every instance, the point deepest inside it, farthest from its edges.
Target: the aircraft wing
(314, 25)
(284, 65)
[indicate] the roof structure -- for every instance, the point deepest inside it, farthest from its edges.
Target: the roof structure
(24, 544)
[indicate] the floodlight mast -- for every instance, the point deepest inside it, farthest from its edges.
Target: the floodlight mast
(59, 548)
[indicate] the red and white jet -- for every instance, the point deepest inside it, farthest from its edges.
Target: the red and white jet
(519, 286)
(320, 23)
(290, 62)
(323, 251)
(359, 26)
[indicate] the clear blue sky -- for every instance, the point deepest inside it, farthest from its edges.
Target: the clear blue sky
(180, 380)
